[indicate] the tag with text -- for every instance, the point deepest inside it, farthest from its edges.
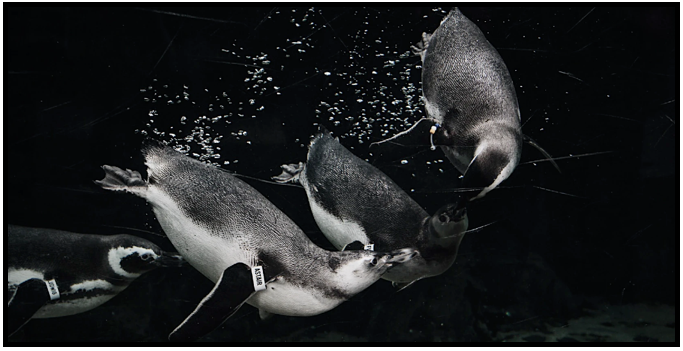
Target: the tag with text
(52, 289)
(370, 247)
(258, 277)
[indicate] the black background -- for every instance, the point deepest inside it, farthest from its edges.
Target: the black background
(599, 81)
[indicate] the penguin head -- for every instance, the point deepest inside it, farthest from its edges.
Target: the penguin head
(450, 221)
(132, 257)
(489, 167)
(360, 268)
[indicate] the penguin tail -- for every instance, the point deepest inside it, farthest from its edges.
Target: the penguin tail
(321, 134)
(290, 173)
(322, 129)
(420, 48)
(117, 179)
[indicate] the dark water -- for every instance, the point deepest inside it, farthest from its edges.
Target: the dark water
(245, 87)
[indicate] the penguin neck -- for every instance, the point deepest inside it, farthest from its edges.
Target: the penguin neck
(445, 242)
(432, 244)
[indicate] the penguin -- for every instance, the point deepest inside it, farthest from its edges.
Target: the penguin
(352, 201)
(239, 240)
(471, 104)
(55, 273)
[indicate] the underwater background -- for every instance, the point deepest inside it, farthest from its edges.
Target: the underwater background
(588, 254)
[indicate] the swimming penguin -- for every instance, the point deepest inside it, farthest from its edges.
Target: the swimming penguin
(238, 239)
(471, 104)
(352, 201)
(54, 273)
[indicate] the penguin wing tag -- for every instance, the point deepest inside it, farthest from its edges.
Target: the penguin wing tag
(370, 247)
(27, 300)
(52, 289)
(258, 278)
(233, 288)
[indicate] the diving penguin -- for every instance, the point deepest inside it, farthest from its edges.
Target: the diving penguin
(54, 273)
(471, 104)
(352, 201)
(239, 240)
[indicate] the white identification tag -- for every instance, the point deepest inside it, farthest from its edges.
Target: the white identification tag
(370, 247)
(258, 277)
(52, 289)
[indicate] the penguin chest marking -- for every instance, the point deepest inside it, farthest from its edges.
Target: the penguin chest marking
(504, 174)
(89, 285)
(208, 253)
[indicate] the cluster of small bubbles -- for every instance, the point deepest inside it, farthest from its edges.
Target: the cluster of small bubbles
(385, 97)
(200, 133)
(182, 148)
(371, 93)
(434, 161)
(259, 82)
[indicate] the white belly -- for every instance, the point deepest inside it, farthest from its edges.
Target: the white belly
(286, 299)
(207, 253)
(338, 231)
(211, 255)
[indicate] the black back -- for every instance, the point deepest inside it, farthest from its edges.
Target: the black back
(353, 189)
(466, 77)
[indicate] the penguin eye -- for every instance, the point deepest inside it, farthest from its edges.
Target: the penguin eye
(374, 261)
(443, 218)
(146, 257)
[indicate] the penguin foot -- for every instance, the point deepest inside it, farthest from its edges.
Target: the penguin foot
(118, 179)
(290, 173)
(419, 48)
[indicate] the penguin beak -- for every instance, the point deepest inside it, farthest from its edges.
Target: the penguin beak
(462, 200)
(400, 256)
(453, 212)
(170, 259)
(459, 214)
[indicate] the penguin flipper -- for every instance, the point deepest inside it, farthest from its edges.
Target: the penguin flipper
(29, 297)
(420, 47)
(233, 288)
(264, 315)
(290, 173)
